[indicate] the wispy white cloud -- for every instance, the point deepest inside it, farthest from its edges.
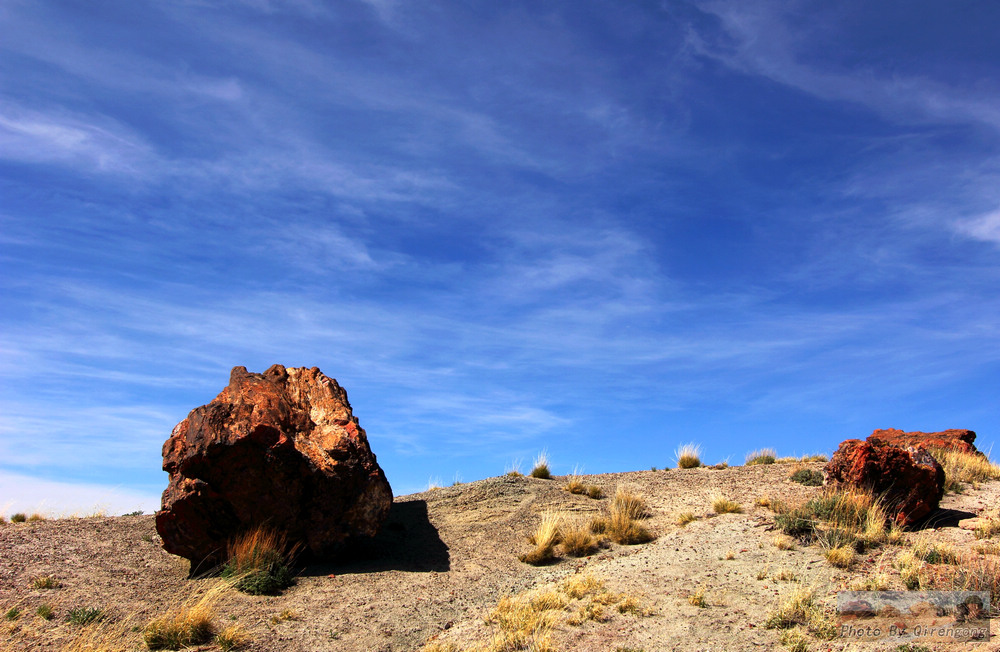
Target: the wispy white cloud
(984, 227)
(86, 142)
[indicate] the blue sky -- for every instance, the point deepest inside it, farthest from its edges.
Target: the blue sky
(601, 229)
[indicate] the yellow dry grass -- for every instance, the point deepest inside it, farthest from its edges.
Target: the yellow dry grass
(723, 505)
(688, 456)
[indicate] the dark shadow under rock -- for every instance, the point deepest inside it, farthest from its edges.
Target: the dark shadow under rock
(408, 541)
(942, 518)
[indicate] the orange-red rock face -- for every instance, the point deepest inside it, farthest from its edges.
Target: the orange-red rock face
(281, 448)
(910, 480)
(949, 440)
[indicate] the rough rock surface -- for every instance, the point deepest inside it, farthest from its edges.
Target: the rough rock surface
(954, 439)
(280, 448)
(910, 480)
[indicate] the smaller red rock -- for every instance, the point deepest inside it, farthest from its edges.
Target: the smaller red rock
(909, 480)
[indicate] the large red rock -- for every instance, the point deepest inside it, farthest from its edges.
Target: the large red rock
(280, 448)
(959, 440)
(909, 480)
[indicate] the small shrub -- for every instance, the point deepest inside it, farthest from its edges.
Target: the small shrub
(722, 505)
(761, 456)
(595, 492)
(137, 512)
(786, 576)
(13, 613)
(285, 614)
(795, 522)
(989, 524)
(18, 518)
(688, 456)
(84, 615)
(600, 524)
(541, 467)
(45, 582)
(258, 562)
(232, 638)
(807, 477)
(730, 555)
(35, 517)
(685, 517)
(698, 598)
(45, 612)
(934, 553)
(763, 573)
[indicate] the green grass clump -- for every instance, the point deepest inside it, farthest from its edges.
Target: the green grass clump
(761, 456)
(13, 613)
(258, 562)
(84, 615)
(808, 477)
(45, 612)
(19, 518)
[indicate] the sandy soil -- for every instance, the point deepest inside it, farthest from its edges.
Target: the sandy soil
(446, 557)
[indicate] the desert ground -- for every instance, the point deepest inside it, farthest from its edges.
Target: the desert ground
(447, 557)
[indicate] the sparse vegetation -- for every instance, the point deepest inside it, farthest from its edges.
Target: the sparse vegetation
(761, 456)
(574, 483)
(807, 477)
(874, 582)
(184, 627)
(545, 539)
(45, 611)
(800, 608)
(622, 523)
(578, 541)
(723, 505)
(35, 517)
(541, 467)
(232, 638)
(283, 615)
(967, 468)
(13, 613)
(783, 542)
(259, 562)
(84, 615)
(45, 582)
(629, 502)
(840, 556)
(989, 524)
(698, 598)
(685, 517)
(595, 492)
(934, 552)
(688, 456)
(19, 518)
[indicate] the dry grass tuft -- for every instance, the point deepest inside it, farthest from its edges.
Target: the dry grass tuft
(840, 556)
(185, 627)
(574, 483)
(595, 492)
(698, 598)
(688, 456)
(685, 517)
(545, 539)
(629, 502)
(874, 582)
(232, 638)
(800, 608)
(966, 468)
(783, 542)
(761, 456)
(722, 505)
(989, 524)
(259, 561)
(578, 541)
(540, 469)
